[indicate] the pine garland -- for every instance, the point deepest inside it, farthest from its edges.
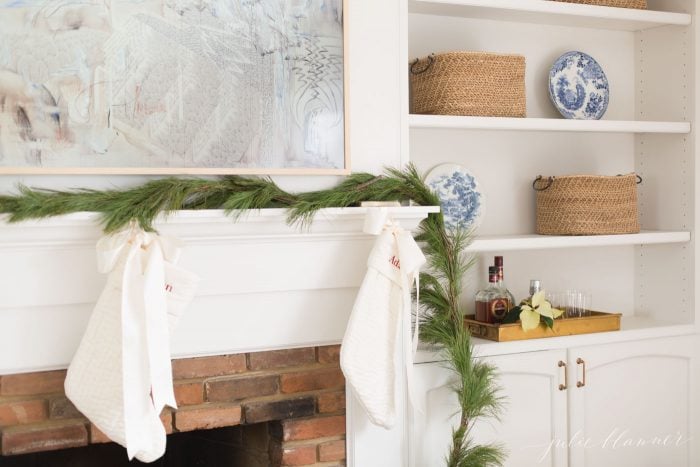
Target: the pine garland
(441, 287)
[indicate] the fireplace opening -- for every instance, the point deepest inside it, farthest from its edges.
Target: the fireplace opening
(237, 446)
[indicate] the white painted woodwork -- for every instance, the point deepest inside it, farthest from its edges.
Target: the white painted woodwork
(651, 59)
(561, 14)
(534, 412)
(369, 445)
(544, 242)
(264, 284)
(648, 128)
(48, 281)
(636, 408)
(449, 122)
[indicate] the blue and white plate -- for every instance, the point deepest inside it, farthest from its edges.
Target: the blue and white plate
(578, 87)
(460, 199)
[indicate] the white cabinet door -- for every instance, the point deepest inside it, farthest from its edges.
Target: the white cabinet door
(533, 419)
(635, 408)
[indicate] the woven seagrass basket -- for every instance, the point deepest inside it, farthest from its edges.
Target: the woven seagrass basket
(638, 4)
(587, 205)
(469, 83)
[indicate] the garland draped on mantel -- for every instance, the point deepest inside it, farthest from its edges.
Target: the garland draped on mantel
(440, 288)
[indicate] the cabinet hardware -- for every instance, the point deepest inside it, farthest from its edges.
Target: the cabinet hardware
(580, 361)
(562, 387)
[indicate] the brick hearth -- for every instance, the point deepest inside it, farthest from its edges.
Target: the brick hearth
(301, 391)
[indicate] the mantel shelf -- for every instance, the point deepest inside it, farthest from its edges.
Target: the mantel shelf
(261, 281)
(548, 12)
(450, 122)
(209, 226)
(542, 242)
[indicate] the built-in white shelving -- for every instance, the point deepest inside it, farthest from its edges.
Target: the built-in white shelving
(647, 55)
(545, 124)
(541, 242)
(548, 12)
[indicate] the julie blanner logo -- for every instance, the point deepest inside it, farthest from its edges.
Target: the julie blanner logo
(618, 439)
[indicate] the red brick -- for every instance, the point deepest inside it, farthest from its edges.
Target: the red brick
(330, 402)
(331, 451)
(203, 367)
(167, 418)
(61, 408)
(189, 393)
(98, 437)
(206, 416)
(241, 387)
(310, 428)
(22, 412)
(329, 354)
(46, 436)
(299, 455)
(328, 378)
(25, 384)
(281, 358)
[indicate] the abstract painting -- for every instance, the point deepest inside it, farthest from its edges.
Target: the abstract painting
(172, 86)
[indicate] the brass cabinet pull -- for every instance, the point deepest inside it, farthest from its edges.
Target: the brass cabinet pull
(580, 361)
(562, 387)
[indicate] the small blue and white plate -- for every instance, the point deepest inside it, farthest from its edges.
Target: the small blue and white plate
(578, 87)
(460, 199)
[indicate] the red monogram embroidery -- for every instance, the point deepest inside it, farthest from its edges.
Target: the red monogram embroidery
(395, 262)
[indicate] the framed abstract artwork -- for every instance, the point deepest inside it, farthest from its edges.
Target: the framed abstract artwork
(173, 87)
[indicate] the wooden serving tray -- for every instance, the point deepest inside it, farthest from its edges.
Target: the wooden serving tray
(596, 322)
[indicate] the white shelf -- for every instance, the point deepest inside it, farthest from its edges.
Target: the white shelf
(548, 12)
(632, 328)
(544, 124)
(541, 242)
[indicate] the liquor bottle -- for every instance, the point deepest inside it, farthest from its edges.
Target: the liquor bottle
(492, 304)
(498, 262)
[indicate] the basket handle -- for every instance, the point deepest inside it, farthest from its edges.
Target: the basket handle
(550, 180)
(639, 178)
(414, 71)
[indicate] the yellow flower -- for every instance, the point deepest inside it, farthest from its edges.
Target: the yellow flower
(529, 318)
(538, 307)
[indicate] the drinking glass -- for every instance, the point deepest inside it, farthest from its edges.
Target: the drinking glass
(578, 303)
(557, 300)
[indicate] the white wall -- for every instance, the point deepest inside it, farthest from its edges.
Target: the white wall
(374, 110)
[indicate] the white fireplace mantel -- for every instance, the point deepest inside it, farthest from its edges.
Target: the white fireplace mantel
(264, 284)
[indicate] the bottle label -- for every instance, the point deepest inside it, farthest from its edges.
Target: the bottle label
(498, 309)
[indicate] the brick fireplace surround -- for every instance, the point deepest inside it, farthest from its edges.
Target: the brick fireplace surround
(301, 392)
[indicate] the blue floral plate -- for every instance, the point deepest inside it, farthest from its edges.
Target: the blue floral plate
(460, 199)
(578, 87)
